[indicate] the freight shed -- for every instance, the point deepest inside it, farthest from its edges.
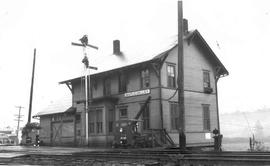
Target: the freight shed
(119, 94)
(58, 124)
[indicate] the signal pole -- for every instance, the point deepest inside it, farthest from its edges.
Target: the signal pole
(180, 80)
(84, 44)
(19, 116)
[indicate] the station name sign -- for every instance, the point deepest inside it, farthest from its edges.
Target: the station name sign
(137, 93)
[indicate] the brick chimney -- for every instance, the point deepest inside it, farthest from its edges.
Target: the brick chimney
(185, 26)
(116, 47)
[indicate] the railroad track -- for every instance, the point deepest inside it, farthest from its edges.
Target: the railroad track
(188, 157)
(141, 155)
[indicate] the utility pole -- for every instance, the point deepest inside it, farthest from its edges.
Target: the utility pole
(18, 118)
(84, 44)
(31, 90)
(180, 80)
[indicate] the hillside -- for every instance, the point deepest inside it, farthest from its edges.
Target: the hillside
(243, 124)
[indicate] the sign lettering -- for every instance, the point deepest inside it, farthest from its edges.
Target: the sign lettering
(137, 93)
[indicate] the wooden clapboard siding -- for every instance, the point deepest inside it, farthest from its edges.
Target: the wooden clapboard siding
(133, 103)
(194, 113)
(155, 121)
(133, 84)
(78, 92)
(195, 61)
(45, 132)
(196, 138)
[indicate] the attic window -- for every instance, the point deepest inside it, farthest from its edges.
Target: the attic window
(171, 76)
(145, 79)
(206, 79)
(206, 82)
(94, 84)
(122, 82)
(107, 87)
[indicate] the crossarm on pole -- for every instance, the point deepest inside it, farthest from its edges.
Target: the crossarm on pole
(89, 45)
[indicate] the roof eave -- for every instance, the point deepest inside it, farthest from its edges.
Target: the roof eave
(69, 110)
(159, 57)
(109, 71)
(223, 71)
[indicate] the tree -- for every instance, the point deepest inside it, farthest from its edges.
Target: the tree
(258, 131)
(29, 127)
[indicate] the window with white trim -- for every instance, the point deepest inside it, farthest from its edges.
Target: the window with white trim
(146, 117)
(206, 117)
(111, 120)
(174, 110)
(171, 81)
(145, 79)
(206, 79)
(123, 112)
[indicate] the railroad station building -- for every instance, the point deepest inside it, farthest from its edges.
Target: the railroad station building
(120, 92)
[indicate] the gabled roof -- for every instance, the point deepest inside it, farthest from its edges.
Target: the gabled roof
(222, 71)
(111, 71)
(192, 35)
(59, 106)
(56, 111)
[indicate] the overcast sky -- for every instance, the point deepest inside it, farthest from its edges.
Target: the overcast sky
(237, 31)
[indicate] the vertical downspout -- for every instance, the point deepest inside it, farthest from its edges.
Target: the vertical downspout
(160, 98)
(75, 129)
(216, 80)
(51, 132)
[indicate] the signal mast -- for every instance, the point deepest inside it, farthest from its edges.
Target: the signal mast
(85, 61)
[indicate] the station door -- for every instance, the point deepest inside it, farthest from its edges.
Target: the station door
(62, 133)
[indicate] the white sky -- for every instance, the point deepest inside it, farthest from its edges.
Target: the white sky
(241, 28)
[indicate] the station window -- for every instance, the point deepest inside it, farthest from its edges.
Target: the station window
(206, 79)
(171, 76)
(111, 119)
(94, 84)
(206, 117)
(123, 113)
(145, 79)
(107, 87)
(78, 118)
(174, 109)
(99, 121)
(146, 117)
(56, 117)
(122, 79)
(79, 132)
(91, 126)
